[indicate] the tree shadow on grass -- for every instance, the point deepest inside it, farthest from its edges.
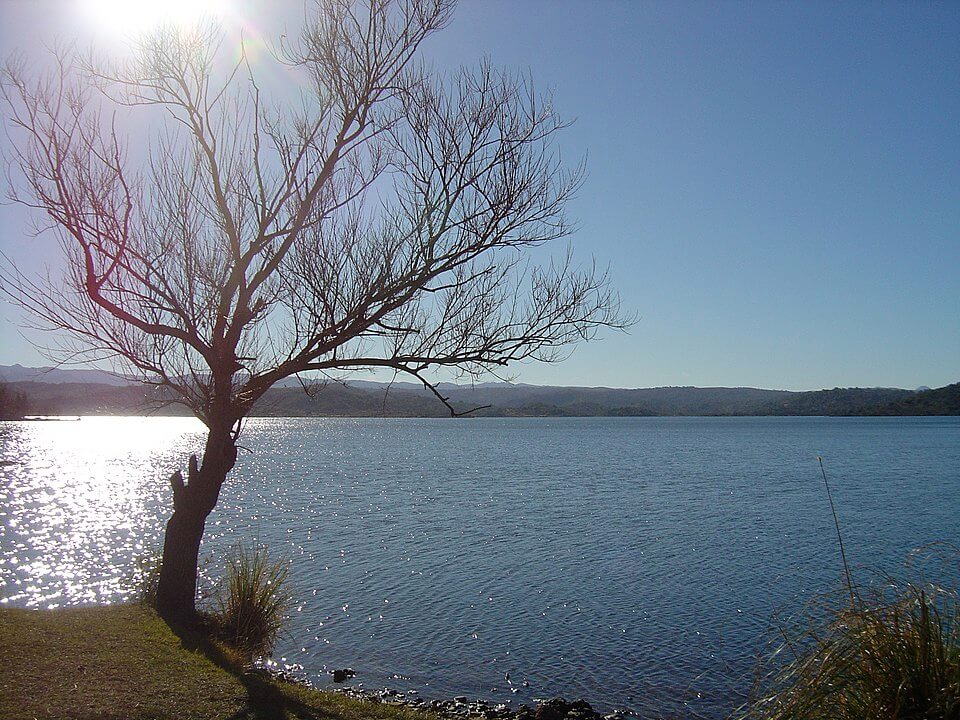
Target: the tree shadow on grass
(266, 698)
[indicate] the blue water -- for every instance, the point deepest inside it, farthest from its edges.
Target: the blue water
(635, 562)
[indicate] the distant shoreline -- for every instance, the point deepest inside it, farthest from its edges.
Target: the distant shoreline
(503, 400)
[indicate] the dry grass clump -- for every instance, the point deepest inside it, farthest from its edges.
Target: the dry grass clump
(894, 655)
(252, 602)
(890, 653)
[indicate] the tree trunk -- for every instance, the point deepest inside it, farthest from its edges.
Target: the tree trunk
(192, 503)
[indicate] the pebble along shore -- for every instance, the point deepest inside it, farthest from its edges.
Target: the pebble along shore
(461, 708)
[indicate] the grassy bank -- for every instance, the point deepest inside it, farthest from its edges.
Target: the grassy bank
(124, 662)
(885, 657)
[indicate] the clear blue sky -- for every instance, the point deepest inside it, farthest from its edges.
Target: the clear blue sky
(775, 185)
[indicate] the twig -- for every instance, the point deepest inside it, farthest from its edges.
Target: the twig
(836, 522)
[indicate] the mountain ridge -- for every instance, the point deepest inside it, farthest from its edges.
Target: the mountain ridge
(53, 391)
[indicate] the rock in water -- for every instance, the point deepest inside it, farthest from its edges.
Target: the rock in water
(524, 712)
(581, 710)
(553, 709)
(560, 709)
(342, 675)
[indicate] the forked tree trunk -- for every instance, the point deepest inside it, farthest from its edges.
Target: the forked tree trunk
(193, 501)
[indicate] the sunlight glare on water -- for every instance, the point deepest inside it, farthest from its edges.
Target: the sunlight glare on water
(79, 504)
(635, 562)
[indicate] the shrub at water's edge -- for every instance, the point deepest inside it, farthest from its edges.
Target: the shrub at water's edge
(890, 655)
(245, 608)
(252, 601)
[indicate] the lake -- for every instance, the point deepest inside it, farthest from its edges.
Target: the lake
(635, 562)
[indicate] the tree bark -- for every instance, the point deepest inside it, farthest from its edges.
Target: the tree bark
(193, 501)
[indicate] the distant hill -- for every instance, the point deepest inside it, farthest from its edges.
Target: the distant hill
(19, 373)
(404, 399)
(335, 399)
(535, 400)
(59, 392)
(13, 404)
(839, 401)
(942, 401)
(73, 398)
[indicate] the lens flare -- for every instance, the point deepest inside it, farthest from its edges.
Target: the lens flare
(128, 18)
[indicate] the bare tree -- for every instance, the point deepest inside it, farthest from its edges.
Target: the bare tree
(380, 221)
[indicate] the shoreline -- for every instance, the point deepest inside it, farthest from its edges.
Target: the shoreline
(124, 661)
(458, 707)
(461, 707)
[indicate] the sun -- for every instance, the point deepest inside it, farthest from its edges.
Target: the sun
(129, 18)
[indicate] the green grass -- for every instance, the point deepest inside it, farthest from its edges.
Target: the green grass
(124, 662)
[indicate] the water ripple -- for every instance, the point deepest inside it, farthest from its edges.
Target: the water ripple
(634, 561)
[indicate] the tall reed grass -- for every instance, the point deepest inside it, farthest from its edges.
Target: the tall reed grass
(252, 601)
(894, 655)
(890, 652)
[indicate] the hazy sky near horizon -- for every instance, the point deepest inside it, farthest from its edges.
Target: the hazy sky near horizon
(774, 185)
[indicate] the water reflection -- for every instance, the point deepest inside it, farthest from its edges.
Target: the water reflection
(80, 504)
